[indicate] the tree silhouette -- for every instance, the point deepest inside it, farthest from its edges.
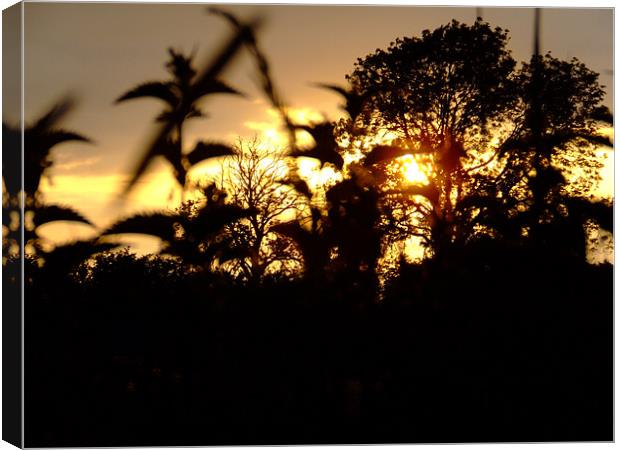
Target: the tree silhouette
(181, 95)
(194, 85)
(273, 306)
(193, 232)
(442, 95)
(450, 84)
(313, 241)
(39, 140)
(548, 166)
(256, 178)
(455, 100)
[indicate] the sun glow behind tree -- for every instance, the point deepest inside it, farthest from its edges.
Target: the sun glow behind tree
(159, 186)
(420, 169)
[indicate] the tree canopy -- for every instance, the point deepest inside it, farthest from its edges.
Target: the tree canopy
(455, 81)
(495, 135)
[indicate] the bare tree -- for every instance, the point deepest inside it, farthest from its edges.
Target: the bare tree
(257, 178)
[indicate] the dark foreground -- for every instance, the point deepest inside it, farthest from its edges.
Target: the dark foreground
(499, 348)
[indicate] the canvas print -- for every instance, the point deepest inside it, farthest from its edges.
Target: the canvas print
(307, 224)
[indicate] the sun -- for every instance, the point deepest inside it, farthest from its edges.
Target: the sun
(411, 170)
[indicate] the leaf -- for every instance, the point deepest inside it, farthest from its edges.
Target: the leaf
(263, 67)
(203, 81)
(39, 139)
(299, 185)
(354, 102)
(383, 153)
(520, 143)
(293, 230)
(57, 112)
(211, 219)
(597, 139)
(54, 213)
(333, 87)
(52, 138)
(158, 142)
(553, 140)
(68, 255)
(228, 51)
(601, 211)
(225, 252)
(428, 191)
(159, 224)
(187, 250)
(216, 87)
(156, 89)
(603, 114)
(205, 150)
(37, 146)
(307, 242)
(559, 138)
(313, 247)
(325, 148)
(11, 140)
(225, 14)
(194, 112)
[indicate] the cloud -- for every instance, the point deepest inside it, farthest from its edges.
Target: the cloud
(69, 165)
(270, 131)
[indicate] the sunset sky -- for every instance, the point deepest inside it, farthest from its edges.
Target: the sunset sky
(99, 51)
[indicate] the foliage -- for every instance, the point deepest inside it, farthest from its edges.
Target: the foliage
(455, 99)
(451, 83)
(256, 178)
(24, 209)
(270, 307)
(193, 232)
(181, 95)
(187, 88)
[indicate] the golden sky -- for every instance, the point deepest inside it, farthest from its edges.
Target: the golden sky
(97, 51)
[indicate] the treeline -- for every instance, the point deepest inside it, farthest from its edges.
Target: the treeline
(271, 316)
